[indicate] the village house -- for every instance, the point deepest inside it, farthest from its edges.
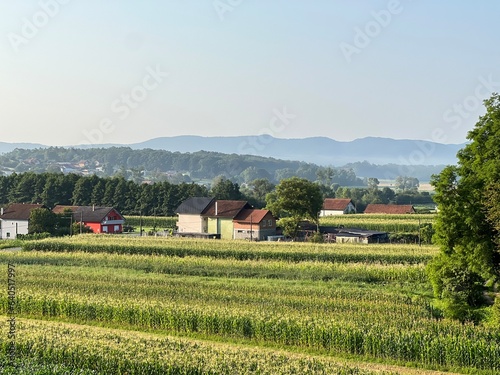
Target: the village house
(254, 224)
(337, 206)
(99, 219)
(226, 219)
(14, 220)
(220, 215)
(189, 215)
(392, 209)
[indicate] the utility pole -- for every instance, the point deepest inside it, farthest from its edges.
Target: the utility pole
(154, 220)
(251, 229)
(140, 222)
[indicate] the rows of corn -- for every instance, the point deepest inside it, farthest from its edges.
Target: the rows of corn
(51, 348)
(409, 223)
(357, 300)
(237, 250)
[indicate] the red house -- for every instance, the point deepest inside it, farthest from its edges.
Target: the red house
(99, 219)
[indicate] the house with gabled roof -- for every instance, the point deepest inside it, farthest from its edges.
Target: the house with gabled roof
(337, 206)
(99, 219)
(254, 224)
(391, 209)
(14, 220)
(220, 215)
(189, 215)
(227, 219)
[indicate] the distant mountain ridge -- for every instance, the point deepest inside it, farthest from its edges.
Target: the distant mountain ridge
(8, 147)
(318, 150)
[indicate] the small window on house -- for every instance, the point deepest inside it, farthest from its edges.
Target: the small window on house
(269, 223)
(117, 228)
(8, 234)
(105, 229)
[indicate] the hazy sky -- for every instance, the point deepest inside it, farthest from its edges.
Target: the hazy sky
(75, 71)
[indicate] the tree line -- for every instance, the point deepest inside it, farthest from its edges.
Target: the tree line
(128, 197)
(162, 198)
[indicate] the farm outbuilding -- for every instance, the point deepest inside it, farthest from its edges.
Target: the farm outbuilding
(355, 235)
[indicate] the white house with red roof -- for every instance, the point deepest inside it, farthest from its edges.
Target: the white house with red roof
(337, 206)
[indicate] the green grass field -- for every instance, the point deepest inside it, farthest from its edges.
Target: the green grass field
(117, 305)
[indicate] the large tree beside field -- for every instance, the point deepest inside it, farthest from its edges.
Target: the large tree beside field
(468, 223)
(296, 199)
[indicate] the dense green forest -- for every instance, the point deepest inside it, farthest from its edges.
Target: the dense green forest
(128, 197)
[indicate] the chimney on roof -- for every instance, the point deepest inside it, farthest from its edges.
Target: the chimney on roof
(215, 208)
(93, 207)
(1, 211)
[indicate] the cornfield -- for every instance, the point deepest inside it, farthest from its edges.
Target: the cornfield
(385, 223)
(239, 250)
(161, 222)
(105, 351)
(370, 302)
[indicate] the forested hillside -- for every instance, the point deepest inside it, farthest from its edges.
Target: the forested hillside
(161, 165)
